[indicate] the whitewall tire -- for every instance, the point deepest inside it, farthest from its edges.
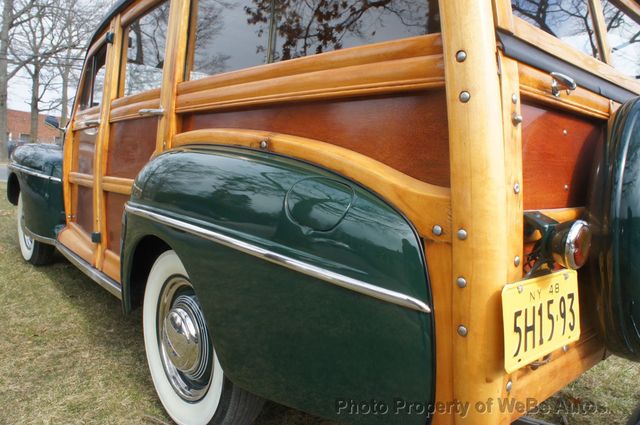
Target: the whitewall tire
(182, 360)
(33, 251)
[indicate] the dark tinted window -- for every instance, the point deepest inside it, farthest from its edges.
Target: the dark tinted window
(624, 39)
(569, 20)
(146, 38)
(251, 32)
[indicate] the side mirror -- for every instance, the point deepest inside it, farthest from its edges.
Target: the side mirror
(53, 122)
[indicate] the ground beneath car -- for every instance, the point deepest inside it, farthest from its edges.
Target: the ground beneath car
(69, 355)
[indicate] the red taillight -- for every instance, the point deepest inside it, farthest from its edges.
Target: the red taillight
(571, 243)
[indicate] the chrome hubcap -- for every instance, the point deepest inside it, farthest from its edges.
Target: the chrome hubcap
(185, 346)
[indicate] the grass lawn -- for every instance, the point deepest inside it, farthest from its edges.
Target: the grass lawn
(69, 355)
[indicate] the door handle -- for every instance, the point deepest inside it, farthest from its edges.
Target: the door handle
(151, 112)
(89, 123)
(561, 82)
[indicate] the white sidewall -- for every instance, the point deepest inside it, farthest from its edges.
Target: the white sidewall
(181, 411)
(27, 252)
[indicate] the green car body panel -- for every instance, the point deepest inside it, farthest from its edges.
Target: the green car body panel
(614, 215)
(36, 172)
(281, 334)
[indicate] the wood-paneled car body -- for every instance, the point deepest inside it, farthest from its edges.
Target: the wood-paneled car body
(372, 212)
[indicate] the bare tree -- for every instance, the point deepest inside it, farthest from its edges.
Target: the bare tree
(36, 41)
(13, 14)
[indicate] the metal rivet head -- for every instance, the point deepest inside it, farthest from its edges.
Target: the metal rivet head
(462, 234)
(462, 330)
(264, 144)
(461, 56)
(465, 96)
(461, 282)
(516, 188)
(514, 98)
(516, 119)
(565, 348)
(437, 230)
(516, 261)
(566, 187)
(509, 386)
(520, 289)
(565, 132)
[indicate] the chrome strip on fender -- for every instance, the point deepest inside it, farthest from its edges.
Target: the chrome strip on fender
(100, 278)
(22, 169)
(284, 261)
(38, 238)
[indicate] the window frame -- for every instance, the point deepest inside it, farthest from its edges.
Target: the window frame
(128, 18)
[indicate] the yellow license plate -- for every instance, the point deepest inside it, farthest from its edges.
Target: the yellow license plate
(539, 316)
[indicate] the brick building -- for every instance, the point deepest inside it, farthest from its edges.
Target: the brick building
(19, 128)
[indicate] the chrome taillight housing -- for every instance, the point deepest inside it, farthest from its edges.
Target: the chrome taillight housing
(571, 243)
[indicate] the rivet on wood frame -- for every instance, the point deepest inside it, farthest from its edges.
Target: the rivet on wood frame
(461, 282)
(461, 56)
(465, 96)
(462, 330)
(516, 119)
(516, 261)
(516, 188)
(462, 234)
(264, 144)
(514, 98)
(437, 230)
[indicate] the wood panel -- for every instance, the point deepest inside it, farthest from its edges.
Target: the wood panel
(114, 203)
(558, 150)
(84, 209)
(131, 146)
(408, 133)
(77, 241)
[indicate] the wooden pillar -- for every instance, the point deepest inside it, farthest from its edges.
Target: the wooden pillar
(480, 245)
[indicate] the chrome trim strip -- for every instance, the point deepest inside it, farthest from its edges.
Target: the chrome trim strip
(100, 278)
(284, 261)
(16, 167)
(39, 238)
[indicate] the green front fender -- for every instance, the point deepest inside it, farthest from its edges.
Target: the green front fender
(282, 332)
(36, 173)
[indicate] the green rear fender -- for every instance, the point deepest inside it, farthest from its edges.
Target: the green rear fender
(280, 333)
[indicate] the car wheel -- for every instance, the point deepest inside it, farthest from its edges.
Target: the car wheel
(35, 252)
(182, 359)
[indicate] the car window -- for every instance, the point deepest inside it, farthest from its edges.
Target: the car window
(568, 20)
(146, 39)
(251, 32)
(624, 39)
(93, 87)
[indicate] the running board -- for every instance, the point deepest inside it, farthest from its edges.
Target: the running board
(100, 278)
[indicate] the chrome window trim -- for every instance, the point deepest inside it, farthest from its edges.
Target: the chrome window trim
(100, 278)
(15, 167)
(285, 261)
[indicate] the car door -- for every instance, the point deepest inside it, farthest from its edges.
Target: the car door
(80, 156)
(134, 119)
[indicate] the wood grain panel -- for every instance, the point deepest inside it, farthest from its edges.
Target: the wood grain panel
(408, 133)
(131, 146)
(84, 210)
(115, 206)
(86, 151)
(558, 151)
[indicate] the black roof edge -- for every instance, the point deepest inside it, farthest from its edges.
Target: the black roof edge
(115, 9)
